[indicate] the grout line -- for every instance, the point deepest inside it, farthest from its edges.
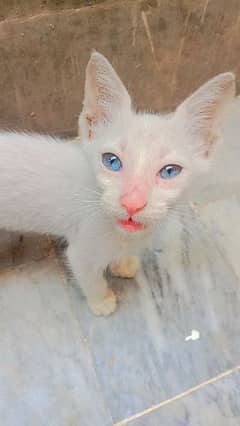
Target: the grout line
(178, 396)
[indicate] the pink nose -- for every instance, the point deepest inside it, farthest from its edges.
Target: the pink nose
(133, 202)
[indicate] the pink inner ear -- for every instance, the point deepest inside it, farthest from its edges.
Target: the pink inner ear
(104, 95)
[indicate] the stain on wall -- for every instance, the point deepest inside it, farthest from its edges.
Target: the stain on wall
(162, 49)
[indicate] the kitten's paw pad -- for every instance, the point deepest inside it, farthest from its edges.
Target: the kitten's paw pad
(126, 267)
(105, 306)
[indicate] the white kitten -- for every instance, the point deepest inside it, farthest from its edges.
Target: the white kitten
(107, 194)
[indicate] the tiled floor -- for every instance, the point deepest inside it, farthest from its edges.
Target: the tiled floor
(61, 366)
(216, 404)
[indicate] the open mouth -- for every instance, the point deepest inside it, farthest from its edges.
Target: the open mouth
(131, 225)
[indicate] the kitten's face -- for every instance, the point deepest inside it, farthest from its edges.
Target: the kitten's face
(132, 163)
(143, 162)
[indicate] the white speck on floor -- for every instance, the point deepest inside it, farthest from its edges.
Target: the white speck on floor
(195, 335)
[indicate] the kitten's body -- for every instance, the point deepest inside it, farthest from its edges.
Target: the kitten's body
(63, 188)
(42, 180)
(47, 186)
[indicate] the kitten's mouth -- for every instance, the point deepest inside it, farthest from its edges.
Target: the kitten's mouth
(131, 225)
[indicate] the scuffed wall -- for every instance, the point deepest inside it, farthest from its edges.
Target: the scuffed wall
(162, 49)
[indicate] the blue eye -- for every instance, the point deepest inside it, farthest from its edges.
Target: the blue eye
(111, 161)
(170, 171)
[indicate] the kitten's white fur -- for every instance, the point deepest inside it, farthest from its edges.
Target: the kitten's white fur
(50, 186)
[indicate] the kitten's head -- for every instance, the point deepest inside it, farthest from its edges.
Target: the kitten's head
(143, 161)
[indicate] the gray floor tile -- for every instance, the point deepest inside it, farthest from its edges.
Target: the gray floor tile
(47, 377)
(140, 354)
(215, 405)
(221, 220)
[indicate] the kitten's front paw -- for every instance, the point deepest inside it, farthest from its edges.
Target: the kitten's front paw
(126, 267)
(105, 306)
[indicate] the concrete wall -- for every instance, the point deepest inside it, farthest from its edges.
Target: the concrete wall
(162, 49)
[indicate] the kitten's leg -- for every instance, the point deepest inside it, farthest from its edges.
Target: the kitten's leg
(89, 274)
(127, 267)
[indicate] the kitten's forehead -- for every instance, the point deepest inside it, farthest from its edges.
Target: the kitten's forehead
(149, 131)
(150, 122)
(146, 144)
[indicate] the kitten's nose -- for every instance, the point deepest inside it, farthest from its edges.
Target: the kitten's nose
(133, 201)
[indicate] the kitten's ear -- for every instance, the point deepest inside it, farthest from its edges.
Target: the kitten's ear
(202, 112)
(105, 96)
